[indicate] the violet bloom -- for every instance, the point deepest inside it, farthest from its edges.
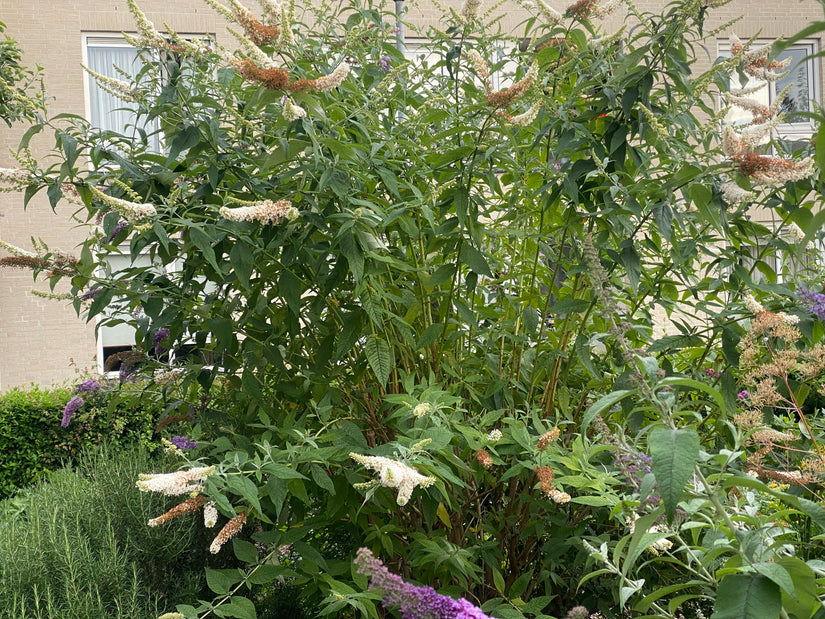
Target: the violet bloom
(744, 394)
(386, 62)
(87, 386)
(183, 442)
(814, 301)
(413, 602)
(72, 406)
(160, 336)
(120, 226)
(633, 466)
(90, 294)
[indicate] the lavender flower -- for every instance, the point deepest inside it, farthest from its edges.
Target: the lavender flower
(633, 466)
(160, 336)
(413, 602)
(120, 226)
(386, 62)
(87, 386)
(72, 406)
(183, 442)
(744, 394)
(90, 294)
(814, 301)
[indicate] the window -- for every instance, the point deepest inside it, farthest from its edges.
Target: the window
(803, 90)
(114, 57)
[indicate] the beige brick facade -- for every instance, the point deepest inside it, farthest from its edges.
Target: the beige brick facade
(43, 341)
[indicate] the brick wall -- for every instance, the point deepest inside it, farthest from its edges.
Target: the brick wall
(44, 341)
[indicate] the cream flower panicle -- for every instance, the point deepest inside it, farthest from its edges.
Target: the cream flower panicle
(266, 212)
(734, 194)
(120, 89)
(333, 80)
(131, 211)
(210, 515)
(550, 15)
(291, 111)
(394, 474)
(796, 232)
(480, 67)
(525, 118)
(14, 250)
(494, 436)
(229, 530)
(177, 483)
(753, 306)
(148, 36)
(469, 12)
(421, 409)
(190, 505)
(12, 178)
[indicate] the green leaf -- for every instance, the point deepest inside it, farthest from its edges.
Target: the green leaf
(441, 275)
(604, 404)
(700, 386)
(240, 257)
(531, 319)
(186, 139)
(290, 288)
(430, 334)
(245, 551)
(320, 477)
(244, 487)
(747, 596)
(238, 607)
(379, 356)
(219, 581)
(804, 601)
(595, 500)
(200, 240)
(475, 260)
(777, 574)
(632, 264)
(674, 454)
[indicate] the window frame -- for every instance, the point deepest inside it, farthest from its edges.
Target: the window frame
(788, 130)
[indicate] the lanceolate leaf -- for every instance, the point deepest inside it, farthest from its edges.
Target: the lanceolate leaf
(379, 356)
(674, 454)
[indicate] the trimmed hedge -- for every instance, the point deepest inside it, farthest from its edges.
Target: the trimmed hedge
(33, 442)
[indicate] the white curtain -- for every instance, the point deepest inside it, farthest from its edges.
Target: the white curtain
(106, 110)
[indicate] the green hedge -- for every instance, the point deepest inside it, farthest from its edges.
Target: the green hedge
(33, 442)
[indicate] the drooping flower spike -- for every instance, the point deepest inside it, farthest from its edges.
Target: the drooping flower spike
(394, 474)
(413, 602)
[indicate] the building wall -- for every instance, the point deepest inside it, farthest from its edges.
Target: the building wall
(44, 341)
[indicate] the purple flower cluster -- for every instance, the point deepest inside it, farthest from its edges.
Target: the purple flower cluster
(814, 301)
(386, 63)
(72, 406)
(183, 442)
(744, 394)
(633, 466)
(120, 226)
(90, 294)
(87, 385)
(160, 336)
(413, 602)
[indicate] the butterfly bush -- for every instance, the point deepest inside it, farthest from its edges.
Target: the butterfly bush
(519, 259)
